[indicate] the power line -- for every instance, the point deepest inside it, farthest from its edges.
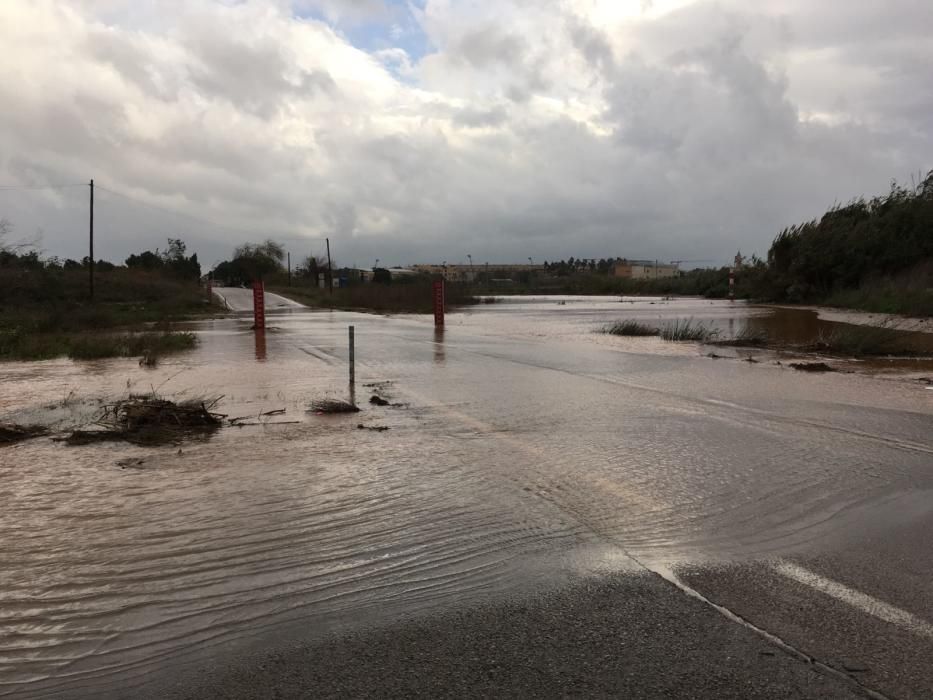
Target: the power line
(196, 218)
(166, 210)
(42, 187)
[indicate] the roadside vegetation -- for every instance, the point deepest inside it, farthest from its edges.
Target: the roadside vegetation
(870, 254)
(46, 310)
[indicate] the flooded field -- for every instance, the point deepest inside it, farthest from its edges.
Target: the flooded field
(522, 450)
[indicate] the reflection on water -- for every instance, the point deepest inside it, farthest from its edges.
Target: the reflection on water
(260, 335)
(439, 345)
(121, 563)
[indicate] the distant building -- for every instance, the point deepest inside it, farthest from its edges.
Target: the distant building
(467, 273)
(644, 270)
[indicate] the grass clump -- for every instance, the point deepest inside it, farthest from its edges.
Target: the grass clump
(686, 329)
(629, 328)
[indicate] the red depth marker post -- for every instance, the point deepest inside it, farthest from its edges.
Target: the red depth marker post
(259, 306)
(731, 284)
(438, 303)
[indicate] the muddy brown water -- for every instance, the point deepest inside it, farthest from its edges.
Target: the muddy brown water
(527, 450)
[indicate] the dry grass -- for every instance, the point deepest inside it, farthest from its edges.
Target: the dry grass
(150, 419)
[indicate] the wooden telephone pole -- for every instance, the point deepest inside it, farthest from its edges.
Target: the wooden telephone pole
(330, 272)
(90, 265)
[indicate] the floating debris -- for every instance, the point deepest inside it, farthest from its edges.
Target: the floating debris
(11, 432)
(329, 406)
(149, 359)
(812, 367)
(149, 419)
(375, 428)
(378, 401)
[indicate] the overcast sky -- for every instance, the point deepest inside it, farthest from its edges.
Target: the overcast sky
(427, 130)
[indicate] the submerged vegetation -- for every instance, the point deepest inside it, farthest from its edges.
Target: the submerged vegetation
(630, 328)
(686, 329)
(676, 330)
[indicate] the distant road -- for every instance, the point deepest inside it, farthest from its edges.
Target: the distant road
(239, 299)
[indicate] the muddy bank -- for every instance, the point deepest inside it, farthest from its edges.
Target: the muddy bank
(863, 318)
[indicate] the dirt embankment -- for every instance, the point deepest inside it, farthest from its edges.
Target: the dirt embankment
(867, 318)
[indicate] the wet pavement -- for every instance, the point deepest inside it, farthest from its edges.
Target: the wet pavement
(524, 454)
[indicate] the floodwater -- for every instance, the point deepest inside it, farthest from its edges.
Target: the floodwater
(523, 450)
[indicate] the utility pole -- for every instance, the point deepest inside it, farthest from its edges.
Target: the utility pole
(90, 265)
(330, 272)
(289, 268)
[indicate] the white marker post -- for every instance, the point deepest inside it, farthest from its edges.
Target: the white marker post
(352, 360)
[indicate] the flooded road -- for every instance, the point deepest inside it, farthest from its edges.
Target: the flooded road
(523, 451)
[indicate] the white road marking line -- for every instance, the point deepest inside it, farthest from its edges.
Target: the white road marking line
(857, 599)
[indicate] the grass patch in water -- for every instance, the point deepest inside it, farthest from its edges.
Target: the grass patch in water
(629, 328)
(686, 329)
